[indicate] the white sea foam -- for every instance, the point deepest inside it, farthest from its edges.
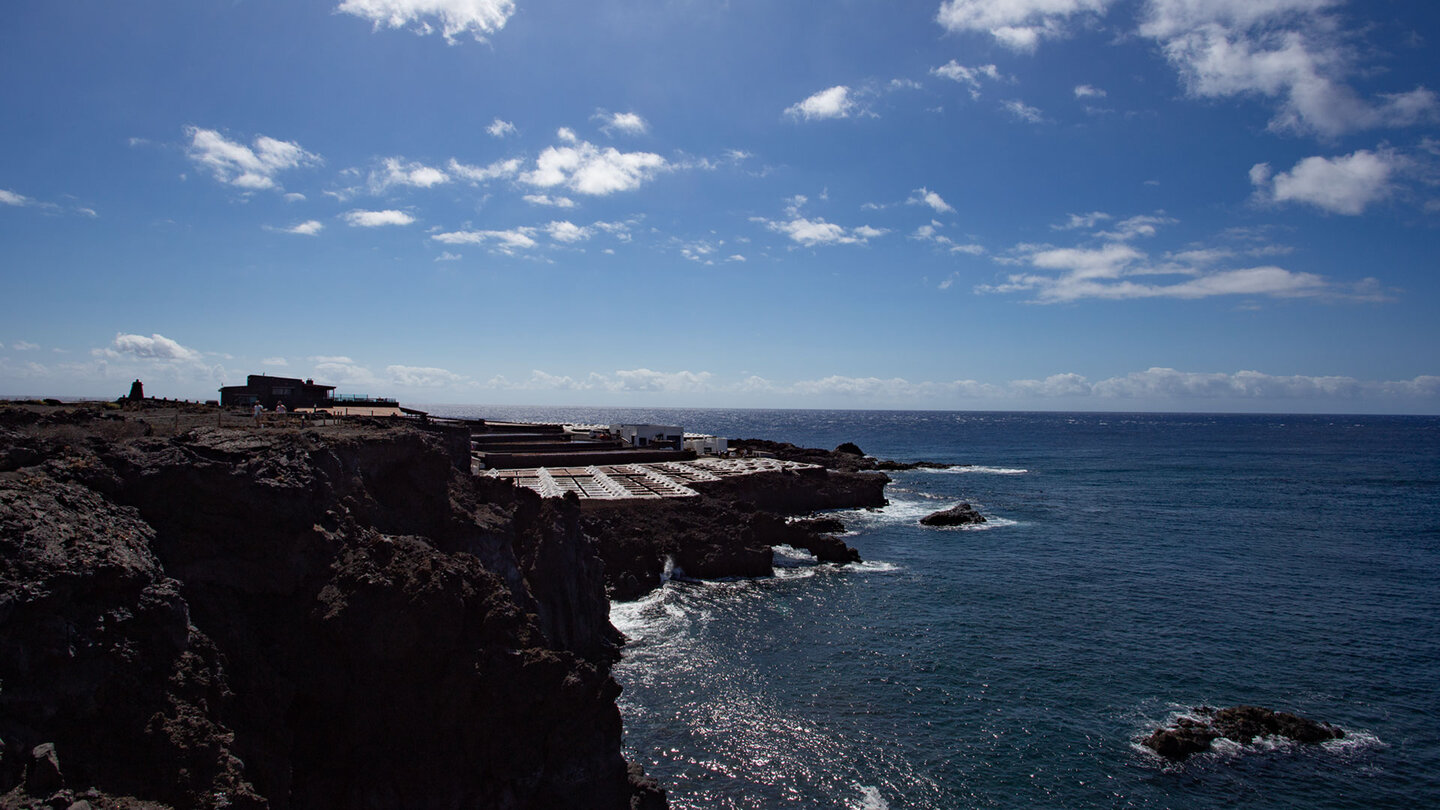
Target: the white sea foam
(873, 567)
(791, 557)
(870, 799)
(974, 468)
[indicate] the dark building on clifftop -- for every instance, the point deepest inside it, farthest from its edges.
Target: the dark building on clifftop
(269, 391)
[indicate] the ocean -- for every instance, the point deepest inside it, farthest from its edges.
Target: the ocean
(1132, 566)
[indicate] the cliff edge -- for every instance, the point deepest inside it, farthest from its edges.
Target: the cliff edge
(285, 617)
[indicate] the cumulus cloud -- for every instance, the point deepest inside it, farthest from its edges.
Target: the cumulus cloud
(546, 199)
(924, 196)
(1088, 91)
(968, 76)
(275, 362)
(309, 227)
(154, 347)
(569, 232)
(507, 242)
(1341, 185)
(812, 232)
(376, 219)
(629, 123)
(27, 346)
(1292, 51)
(11, 198)
(500, 128)
(252, 168)
(422, 376)
(832, 103)
(396, 171)
(1017, 24)
(479, 18)
(585, 168)
(482, 174)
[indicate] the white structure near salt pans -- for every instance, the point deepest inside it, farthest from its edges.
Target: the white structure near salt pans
(668, 479)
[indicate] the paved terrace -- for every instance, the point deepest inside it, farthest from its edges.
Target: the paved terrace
(667, 479)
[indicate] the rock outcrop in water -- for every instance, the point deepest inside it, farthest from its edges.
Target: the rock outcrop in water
(1242, 724)
(214, 617)
(962, 514)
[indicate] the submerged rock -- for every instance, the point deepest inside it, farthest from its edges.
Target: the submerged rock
(1242, 724)
(959, 515)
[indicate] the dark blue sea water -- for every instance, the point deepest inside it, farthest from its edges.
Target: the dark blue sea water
(1133, 566)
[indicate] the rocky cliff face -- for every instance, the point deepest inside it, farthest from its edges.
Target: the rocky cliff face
(294, 618)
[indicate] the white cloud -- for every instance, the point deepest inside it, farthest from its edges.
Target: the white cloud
(277, 362)
(832, 103)
(309, 227)
(1088, 91)
(1016, 24)
(1023, 111)
(1293, 51)
(1142, 225)
(1340, 185)
(376, 219)
(154, 347)
(11, 198)
(1089, 220)
(629, 123)
(499, 128)
(585, 168)
(242, 166)
(481, 174)
(396, 171)
(344, 371)
(1116, 271)
(968, 76)
(1169, 384)
(568, 232)
(506, 242)
(24, 346)
(812, 232)
(924, 196)
(453, 17)
(447, 256)
(337, 359)
(294, 196)
(422, 376)
(546, 199)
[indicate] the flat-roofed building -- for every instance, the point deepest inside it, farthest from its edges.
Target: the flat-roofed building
(270, 391)
(671, 436)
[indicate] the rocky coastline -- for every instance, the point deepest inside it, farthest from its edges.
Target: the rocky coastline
(194, 615)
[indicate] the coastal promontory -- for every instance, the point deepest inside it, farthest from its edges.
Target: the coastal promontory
(203, 616)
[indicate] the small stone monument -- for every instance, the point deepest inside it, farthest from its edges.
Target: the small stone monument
(137, 391)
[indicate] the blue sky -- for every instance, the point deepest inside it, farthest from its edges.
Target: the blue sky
(1035, 204)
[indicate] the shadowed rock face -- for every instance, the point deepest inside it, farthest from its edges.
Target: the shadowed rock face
(326, 618)
(1242, 724)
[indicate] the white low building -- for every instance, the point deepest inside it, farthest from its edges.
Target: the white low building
(704, 445)
(671, 436)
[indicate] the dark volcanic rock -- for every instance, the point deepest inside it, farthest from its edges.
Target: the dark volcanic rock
(959, 515)
(1242, 724)
(823, 525)
(282, 618)
(846, 458)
